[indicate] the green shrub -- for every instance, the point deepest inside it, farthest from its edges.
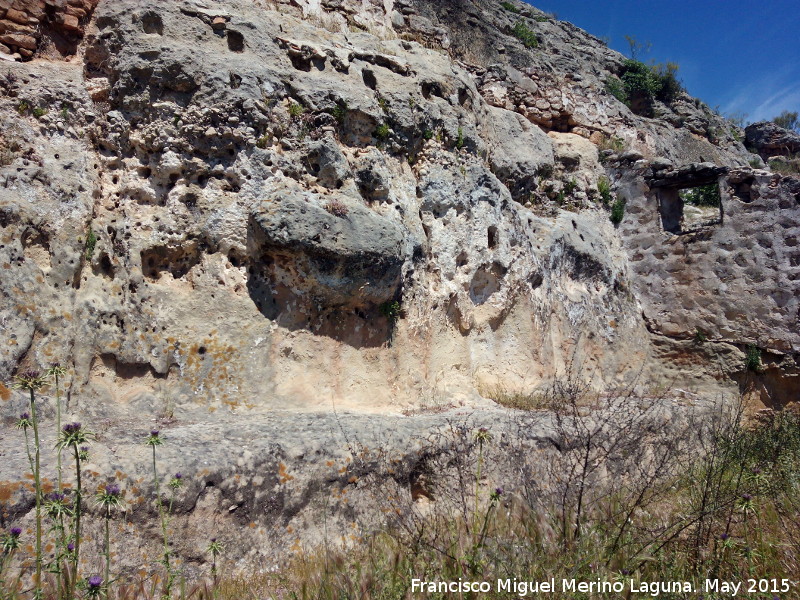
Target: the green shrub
(752, 358)
(617, 211)
(390, 310)
(604, 188)
(525, 35)
(616, 88)
(699, 336)
(648, 82)
(296, 110)
(339, 112)
(382, 132)
(509, 7)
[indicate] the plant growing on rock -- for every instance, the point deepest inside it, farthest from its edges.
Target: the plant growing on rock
(91, 243)
(75, 437)
(617, 211)
(525, 35)
(382, 132)
(110, 497)
(509, 7)
(752, 359)
(9, 543)
(32, 381)
(604, 189)
(391, 310)
(337, 208)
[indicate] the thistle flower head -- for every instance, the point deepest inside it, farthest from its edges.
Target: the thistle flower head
(56, 370)
(724, 537)
(154, 439)
(24, 421)
(215, 548)
(71, 547)
(29, 380)
(483, 435)
(176, 481)
(94, 586)
(10, 541)
(747, 497)
(110, 496)
(73, 434)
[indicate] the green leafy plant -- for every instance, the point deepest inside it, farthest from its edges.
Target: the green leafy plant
(460, 139)
(509, 7)
(752, 358)
(391, 310)
(617, 211)
(604, 189)
(616, 88)
(91, 242)
(382, 132)
(525, 35)
(39, 112)
(699, 336)
(296, 110)
(340, 111)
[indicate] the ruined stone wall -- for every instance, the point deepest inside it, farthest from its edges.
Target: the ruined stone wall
(31, 26)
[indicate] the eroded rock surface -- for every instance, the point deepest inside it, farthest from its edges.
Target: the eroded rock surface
(216, 211)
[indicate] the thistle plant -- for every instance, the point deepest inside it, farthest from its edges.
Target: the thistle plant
(153, 440)
(32, 381)
(9, 542)
(94, 586)
(215, 549)
(110, 497)
(74, 437)
(57, 507)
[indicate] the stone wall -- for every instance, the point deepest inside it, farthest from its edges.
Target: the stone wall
(29, 26)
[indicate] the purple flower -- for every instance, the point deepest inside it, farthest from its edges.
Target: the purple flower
(32, 374)
(71, 428)
(84, 448)
(56, 497)
(95, 581)
(756, 471)
(112, 490)
(71, 547)
(724, 537)
(178, 475)
(498, 491)
(213, 540)
(24, 416)
(154, 432)
(15, 532)
(747, 497)
(625, 572)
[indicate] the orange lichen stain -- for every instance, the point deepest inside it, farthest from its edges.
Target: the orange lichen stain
(5, 393)
(67, 316)
(121, 475)
(330, 463)
(612, 324)
(289, 529)
(252, 525)
(296, 546)
(353, 479)
(28, 476)
(6, 266)
(343, 470)
(48, 548)
(7, 488)
(284, 476)
(29, 549)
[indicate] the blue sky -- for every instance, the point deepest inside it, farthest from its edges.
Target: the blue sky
(743, 56)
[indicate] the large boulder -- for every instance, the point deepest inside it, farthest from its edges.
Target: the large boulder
(769, 139)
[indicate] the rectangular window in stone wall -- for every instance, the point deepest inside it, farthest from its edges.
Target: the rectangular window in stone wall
(684, 210)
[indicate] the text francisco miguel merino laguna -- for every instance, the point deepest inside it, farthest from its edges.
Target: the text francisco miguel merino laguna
(651, 588)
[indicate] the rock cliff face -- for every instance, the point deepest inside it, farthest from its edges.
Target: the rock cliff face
(215, 211)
